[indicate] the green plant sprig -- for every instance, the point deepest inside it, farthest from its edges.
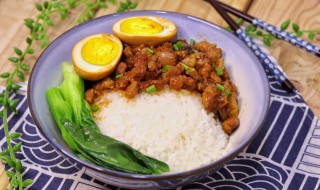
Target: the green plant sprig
(127, 6)
(266, 37)
(38, 32)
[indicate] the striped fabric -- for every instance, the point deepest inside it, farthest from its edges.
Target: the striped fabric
(285, 154)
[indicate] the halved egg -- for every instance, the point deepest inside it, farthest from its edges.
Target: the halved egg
(96, 56)
(149, 30)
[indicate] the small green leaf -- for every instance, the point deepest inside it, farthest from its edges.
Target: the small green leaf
(5, 75)
(46, 4)
(311, 36)
(9, 85)
(259, 33)
(112, 1)
(10, 162)
(295, 27)
(63, 15)
(103, 5)
(50, 23)
(29, 40)
(4, 152)
(17, 51)
(15, 135)
(90, 4)
(20, 75)
(43, 44)
(239, 21)
(72, 3)
(14, 182)
(39, 7)
(13, 59)
(272, 37)
(91, 14)
(27, 182)
(250, 28)
(17, 147)
(124, 5)
(10, 174)
(16, 86)
(128, 2)
(267, 42)
(18, 165)
(120, 10)
(25, 67)
(30, 51)
(298, 34)
(285, 25)
(133, 5)
(228, 28)
(13, 105)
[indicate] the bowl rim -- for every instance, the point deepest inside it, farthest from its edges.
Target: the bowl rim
(153, 177)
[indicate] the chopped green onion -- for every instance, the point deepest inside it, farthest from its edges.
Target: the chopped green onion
(150, 50)
(186, 67)
(219, 71)
(192, 42)
(94, 108)
(119, 76)
(220, 87)
(151, 89)
(193, 51)
(228, 93)
(166, 68)
(177, 46)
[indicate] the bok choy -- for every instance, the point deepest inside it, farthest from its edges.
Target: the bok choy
(75, 121)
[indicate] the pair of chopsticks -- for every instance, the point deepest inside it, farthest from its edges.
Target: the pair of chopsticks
(265, 61)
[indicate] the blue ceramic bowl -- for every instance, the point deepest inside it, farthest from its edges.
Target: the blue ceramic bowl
(244, 68)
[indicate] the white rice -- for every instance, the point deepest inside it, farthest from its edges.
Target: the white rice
(171, 126)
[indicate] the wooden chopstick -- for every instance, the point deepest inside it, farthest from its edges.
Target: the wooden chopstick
(265, 61)
(281, 34)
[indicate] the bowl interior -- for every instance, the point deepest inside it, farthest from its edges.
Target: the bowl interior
(244, 68)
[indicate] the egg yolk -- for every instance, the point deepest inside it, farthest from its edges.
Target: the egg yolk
(140, 26)
(99, 51)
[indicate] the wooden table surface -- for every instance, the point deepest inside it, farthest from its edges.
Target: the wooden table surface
(302, 68)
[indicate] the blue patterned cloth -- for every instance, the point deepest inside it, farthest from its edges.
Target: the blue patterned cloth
(284, 155)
